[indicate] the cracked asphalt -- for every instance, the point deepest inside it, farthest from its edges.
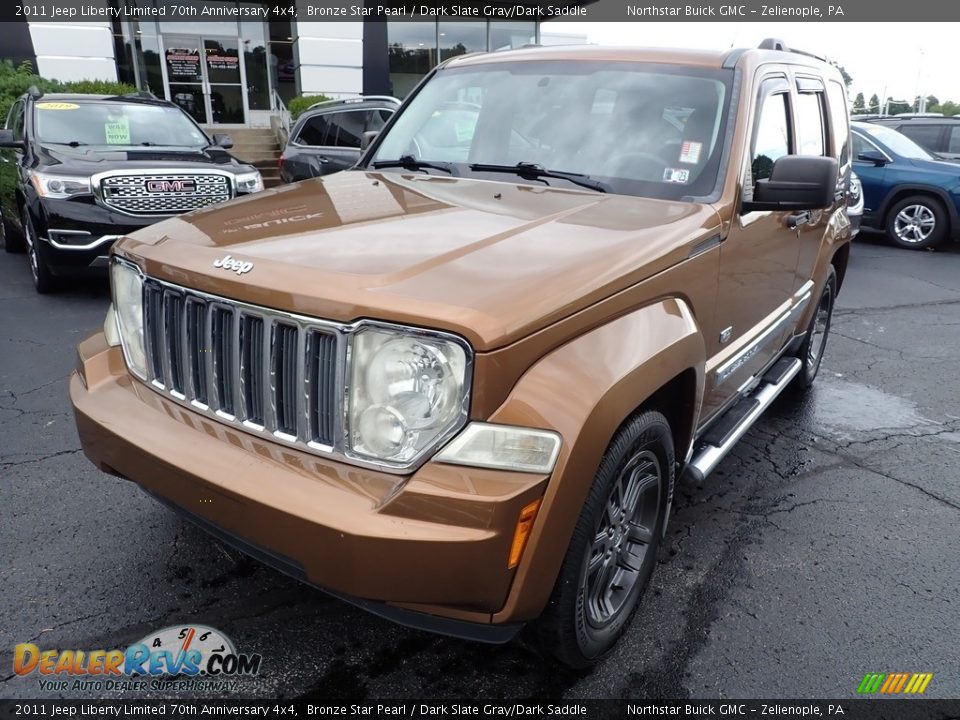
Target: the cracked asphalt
(824, 547)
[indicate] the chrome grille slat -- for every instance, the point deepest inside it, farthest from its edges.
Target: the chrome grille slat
(258, 369)
(131, 193)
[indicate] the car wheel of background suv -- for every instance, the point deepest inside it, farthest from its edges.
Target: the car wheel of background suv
(917, 222)
(614, 546)
(43, 280)
(11, 243)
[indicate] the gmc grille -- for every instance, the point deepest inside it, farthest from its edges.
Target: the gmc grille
(267, 372)
(162, 194)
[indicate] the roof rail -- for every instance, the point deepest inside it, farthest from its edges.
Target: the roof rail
(780, 45)
(362, 98)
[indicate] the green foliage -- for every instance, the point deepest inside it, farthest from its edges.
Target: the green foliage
(858, 104)
(301, 103)
(847, 78)
(950, 108)
(874, 106)
(15, 81)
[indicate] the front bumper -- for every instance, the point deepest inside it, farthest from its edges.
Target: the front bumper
(78, 234)
(434, 545)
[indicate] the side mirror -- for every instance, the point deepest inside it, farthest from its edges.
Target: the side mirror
(368, 137)
(7, 140)
(224, 141)
(873, 156)
(797, 182)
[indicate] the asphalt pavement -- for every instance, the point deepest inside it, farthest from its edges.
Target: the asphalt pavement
(824, 547)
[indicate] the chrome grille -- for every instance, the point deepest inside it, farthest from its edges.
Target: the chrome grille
(164, 194)
(268, 372)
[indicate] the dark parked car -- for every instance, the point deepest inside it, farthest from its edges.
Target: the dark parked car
(938, 135)
(79, 171)
(906, 191)
(328, 136)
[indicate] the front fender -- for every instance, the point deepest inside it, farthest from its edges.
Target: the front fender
(585, 390)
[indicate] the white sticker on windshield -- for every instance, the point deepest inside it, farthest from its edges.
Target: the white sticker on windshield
(118, 131)
(676, 175)
(690, 152)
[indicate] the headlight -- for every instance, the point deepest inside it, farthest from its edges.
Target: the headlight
(503, 447)
(407, 393)
(128, 303)
(249, 182)
(59, 186)
(855, 189)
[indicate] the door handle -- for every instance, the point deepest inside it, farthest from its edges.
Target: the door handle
(795, 220)
(323, 159)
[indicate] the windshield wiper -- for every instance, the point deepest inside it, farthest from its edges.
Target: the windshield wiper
(72, 143)
(409, 162)
(534, 170)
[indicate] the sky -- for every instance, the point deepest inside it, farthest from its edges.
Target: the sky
(904, 58)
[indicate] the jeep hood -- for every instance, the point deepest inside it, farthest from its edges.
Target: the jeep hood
(492, 261)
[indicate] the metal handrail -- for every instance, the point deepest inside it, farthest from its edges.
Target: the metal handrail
(278, 106)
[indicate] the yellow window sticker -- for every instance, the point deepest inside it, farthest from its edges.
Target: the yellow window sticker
(118, 131)
(56, 106)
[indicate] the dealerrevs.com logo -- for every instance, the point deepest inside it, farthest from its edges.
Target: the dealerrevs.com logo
(184, 658)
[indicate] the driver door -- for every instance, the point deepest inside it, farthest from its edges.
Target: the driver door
(758, 260)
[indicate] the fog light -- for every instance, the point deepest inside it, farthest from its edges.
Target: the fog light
(383, 430)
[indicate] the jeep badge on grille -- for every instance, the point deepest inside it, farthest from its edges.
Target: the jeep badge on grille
(238, 266)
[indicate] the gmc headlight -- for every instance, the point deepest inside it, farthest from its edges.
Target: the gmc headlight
(59, 187)
(127, 283)
(249, 182)
(408, 392)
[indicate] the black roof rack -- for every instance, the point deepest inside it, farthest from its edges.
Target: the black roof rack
(777, 44)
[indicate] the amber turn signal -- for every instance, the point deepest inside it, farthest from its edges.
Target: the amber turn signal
(520, 535)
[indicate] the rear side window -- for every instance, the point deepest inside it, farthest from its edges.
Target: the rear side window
(837, 96)
(341, 129)
(15, 120)
(953, 145)
(926, 135)
(810, 136)
(772, 139)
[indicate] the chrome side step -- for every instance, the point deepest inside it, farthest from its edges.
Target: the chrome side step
(715, 445)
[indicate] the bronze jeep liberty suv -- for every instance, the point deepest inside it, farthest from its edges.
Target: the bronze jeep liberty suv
(455, 384)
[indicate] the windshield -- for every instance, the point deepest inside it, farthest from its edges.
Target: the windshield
(114, 123)
(640, 129)
(897, 142)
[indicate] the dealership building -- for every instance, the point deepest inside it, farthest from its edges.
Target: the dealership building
(238, 68)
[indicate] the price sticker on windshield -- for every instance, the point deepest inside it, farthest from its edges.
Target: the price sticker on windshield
(117, 132)
(56, 106)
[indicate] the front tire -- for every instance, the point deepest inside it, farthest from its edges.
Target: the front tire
(917, 222)
(818, 331)
(43, 280)
(614, 547)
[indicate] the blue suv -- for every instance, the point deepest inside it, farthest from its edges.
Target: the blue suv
(906, 192)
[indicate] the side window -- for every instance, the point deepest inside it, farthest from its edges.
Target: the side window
(810, 136)
(861, 146)
(15, 120)
(376, 119)
(927, 136)
(314, 131)
(771, 140)
(837, 96)
(953, 145)
(346, 129)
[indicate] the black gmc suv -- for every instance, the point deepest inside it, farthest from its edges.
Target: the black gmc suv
(79, 171)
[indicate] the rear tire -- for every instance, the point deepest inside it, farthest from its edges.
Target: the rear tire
(818, 332)
(917, 222)
(614, 547)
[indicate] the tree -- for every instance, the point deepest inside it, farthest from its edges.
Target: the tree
(874, 106)
(897, 107)
(933, 103)
(950, 108)
(847, 78)
(858, 106)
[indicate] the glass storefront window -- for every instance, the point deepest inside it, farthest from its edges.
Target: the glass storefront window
(459, 38)
(512, 34)
(254, 41)
(283, 69)
(412, 49)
